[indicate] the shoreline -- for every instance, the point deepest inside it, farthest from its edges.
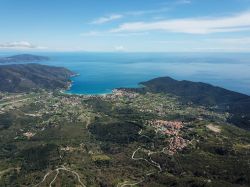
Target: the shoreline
(67, 91)
(88, 95)
(70, 84)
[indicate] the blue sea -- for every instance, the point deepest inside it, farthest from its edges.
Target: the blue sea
(99, 73)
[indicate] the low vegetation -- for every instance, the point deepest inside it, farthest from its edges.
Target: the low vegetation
(32, 77)
(123, 139)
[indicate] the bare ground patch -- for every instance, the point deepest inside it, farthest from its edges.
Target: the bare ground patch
(214, 128)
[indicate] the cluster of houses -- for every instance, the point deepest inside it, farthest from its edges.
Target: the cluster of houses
(166, 127)
(172, 129)
(117, 93)
(176, 144)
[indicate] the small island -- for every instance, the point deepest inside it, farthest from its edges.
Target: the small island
(23, 58)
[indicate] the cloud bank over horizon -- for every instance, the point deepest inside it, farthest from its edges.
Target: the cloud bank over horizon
(19, 45)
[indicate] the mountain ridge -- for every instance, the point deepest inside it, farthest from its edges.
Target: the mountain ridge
(237, 104)
(29, 77)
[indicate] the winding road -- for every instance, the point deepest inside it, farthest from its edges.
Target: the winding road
(63, 168)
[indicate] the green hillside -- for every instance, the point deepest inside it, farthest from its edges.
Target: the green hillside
(31, 77)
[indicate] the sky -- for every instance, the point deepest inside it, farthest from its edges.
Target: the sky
(125, 26)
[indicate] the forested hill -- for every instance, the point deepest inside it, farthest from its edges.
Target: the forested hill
(237, 104)
(23, 58)
(30, 77)
(196, 92)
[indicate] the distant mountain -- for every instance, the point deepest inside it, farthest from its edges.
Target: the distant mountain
(237, 104)
(23, 58)
(30, 77)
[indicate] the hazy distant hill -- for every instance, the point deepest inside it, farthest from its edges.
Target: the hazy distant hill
(237, 104)
(23, 58)
(28, 77)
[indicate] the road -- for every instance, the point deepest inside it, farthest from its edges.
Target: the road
(63, 168)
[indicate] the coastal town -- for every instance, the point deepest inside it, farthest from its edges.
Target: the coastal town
(74, 109)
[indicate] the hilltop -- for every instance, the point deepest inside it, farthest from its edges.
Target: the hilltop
(30, 77)
(237, 104)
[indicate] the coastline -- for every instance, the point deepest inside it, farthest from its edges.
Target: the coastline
(102, 94)
(86, 94)
(70, 84)
(75, 75)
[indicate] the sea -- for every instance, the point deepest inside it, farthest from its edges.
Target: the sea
(100, 73)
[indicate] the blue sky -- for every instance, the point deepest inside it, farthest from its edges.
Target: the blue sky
(131, 25)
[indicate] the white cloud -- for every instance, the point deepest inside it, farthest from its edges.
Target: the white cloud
(120, 48)
(181, 2)
(143, 12)
(92, 33)
(165, 7)
(232, 41)
(238, 41)
(240, 44)
(110, 34)
(107, 19)
(234, 23)
(19, 45)
(176, 3)
(113, 17)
